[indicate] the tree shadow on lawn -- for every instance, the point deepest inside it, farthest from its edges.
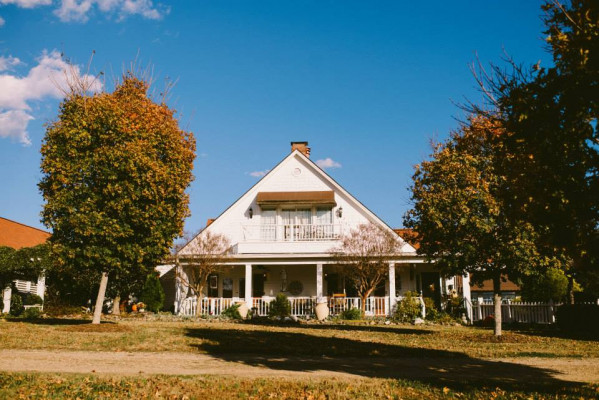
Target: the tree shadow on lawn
(344, 327)
(56, 321)
(550, 331)
(301, 352)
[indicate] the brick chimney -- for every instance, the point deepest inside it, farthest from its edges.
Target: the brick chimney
(302, 147)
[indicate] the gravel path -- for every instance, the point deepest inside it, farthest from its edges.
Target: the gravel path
(251, 366)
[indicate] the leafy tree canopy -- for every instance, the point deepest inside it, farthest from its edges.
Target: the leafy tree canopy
(551, 154)
(115, 169)
(459, 213)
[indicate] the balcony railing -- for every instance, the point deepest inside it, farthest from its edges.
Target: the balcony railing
(292, 232)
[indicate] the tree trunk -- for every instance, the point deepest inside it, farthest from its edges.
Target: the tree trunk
(364, 298)
(497, 304)
(100, 299)
(570, 293)
(116, 305)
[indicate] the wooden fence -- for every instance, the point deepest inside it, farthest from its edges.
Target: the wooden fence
(512, 311)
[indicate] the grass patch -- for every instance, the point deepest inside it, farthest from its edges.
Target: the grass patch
(348, 339)
(92, 328)
(59, 386)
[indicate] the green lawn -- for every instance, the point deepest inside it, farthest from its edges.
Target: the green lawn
(312, 339)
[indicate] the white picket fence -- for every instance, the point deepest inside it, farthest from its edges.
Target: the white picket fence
(300, 306)
(512, 311)
(207, 306)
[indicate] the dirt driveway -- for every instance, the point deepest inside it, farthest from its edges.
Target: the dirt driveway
(251, 366)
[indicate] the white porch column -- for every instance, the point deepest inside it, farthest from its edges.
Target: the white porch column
(392, 299)
(467, 296)
(178, 288)
(318, 281)
(7, 296)
(41, 285)
(248, 286)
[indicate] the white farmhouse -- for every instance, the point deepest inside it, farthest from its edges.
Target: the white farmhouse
(282, 231)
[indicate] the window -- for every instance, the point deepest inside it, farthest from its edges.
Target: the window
(268, 225)
(324, 216)
(268, 217)
(297, 223)
(213, 286)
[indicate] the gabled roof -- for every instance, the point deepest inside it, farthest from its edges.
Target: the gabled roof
(16, 235)
(409, 236)
(319, 171)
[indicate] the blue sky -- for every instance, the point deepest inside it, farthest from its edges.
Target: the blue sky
(368, 84)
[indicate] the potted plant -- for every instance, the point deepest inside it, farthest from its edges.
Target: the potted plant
(242, 309)
(321, 309)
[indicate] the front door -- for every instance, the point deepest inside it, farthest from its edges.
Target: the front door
(431, 286)
(227, 288)
(257, 285)
(333, 284)
(213, 286)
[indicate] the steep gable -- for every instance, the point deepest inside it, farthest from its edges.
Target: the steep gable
(294, 174)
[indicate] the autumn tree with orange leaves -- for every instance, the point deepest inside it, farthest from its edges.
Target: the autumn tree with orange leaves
(115, 169)
(459, 214)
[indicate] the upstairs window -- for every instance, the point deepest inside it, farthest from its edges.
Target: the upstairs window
(268, 217)
(268, 225)
(324, 216)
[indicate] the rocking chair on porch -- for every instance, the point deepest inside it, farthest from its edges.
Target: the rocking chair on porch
(337, 303)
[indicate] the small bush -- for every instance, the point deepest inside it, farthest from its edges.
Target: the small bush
(489, 321)
(32, 299)
(231, 312)
(432, 313)
(578, 318)
(57, 310)
(152, 294)
(16, 305)
(408, 309)
(352, 314)
(32, 313)
(455, 307)
(280, 307)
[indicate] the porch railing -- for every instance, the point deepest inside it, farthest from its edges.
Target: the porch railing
(292, 232)
(300, 306)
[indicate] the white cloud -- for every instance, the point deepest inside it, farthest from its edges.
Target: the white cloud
(45, 80)
(74, 10)
(328, 163)
(13, 124)
(145, 8)
(2, 21)
(27, 3)
(78, 10)
(259, 174)
(6, 63)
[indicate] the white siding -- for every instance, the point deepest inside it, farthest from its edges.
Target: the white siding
(236, 224)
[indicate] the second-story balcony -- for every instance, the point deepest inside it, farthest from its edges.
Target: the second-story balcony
(291, 232)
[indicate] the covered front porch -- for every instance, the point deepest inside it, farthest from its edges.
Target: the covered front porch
(305, 282)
